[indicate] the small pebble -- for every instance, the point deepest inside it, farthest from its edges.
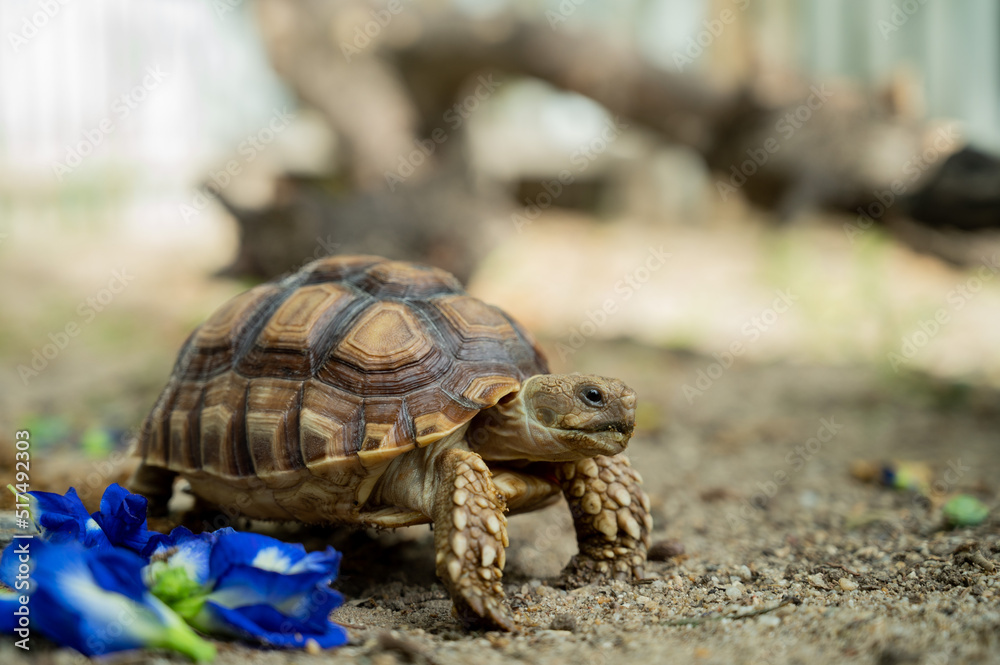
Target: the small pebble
(734, 592)
(544, 590)
(564, 622)
(646, 603)
(662, 550)
(817, 581)
(847, 585)
(809, 499)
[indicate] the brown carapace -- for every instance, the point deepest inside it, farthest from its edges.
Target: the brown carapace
(343, 393)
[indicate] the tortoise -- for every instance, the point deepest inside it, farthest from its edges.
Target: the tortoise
(377, 393)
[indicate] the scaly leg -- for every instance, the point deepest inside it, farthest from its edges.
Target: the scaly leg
(611, 515)
(470, 534)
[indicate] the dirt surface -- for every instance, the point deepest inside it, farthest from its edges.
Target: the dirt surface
(754, 507)
(753, 501)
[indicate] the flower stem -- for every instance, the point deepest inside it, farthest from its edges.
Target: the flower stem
(182, 639)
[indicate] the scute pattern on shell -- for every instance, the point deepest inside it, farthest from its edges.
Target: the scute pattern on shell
(343, 365)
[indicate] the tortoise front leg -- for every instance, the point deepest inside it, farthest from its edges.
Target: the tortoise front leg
(470, 534)
(611, 515)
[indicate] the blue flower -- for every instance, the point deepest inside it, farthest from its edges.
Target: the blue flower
(249, 586)
(122, 517)
(108, 564)
(178, 569)
(92, 600)
(121, 521)
(64, 518)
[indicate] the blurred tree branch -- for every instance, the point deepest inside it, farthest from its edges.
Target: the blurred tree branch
(382, 89)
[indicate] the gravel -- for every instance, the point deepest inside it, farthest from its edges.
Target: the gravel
(822, 569)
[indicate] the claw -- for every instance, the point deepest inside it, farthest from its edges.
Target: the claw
(475, 611)
(475, 602)
(593, 568)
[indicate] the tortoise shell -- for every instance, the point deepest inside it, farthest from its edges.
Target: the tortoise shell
(337, 368)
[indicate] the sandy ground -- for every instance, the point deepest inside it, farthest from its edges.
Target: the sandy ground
(867, 573)
(753, 501)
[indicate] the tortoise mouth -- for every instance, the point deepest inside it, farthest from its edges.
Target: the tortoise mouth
(608, 438)
(619, 426)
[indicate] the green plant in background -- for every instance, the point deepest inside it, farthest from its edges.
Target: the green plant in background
(97, 442)
(835, 289)
(47, 431)
(965, 510)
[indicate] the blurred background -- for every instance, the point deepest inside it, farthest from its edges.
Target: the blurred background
(713, 199)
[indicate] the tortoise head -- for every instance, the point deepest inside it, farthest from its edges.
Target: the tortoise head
(557, 417)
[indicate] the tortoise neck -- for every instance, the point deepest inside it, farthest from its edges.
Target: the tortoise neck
(507, 432)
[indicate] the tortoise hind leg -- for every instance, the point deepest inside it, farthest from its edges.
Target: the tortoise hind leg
(156, 484)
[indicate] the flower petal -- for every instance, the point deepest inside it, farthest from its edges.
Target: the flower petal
(245, 585)
(94, 601)
(250, 569)
(235, 548)
(62, 518)
(183, 548)
(122, 517)
(266, 625)
(9, 604)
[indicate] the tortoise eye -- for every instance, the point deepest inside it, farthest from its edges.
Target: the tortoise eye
(592, 396)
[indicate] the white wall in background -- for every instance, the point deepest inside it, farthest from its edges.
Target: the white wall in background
(65, 65)
(952, 45)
